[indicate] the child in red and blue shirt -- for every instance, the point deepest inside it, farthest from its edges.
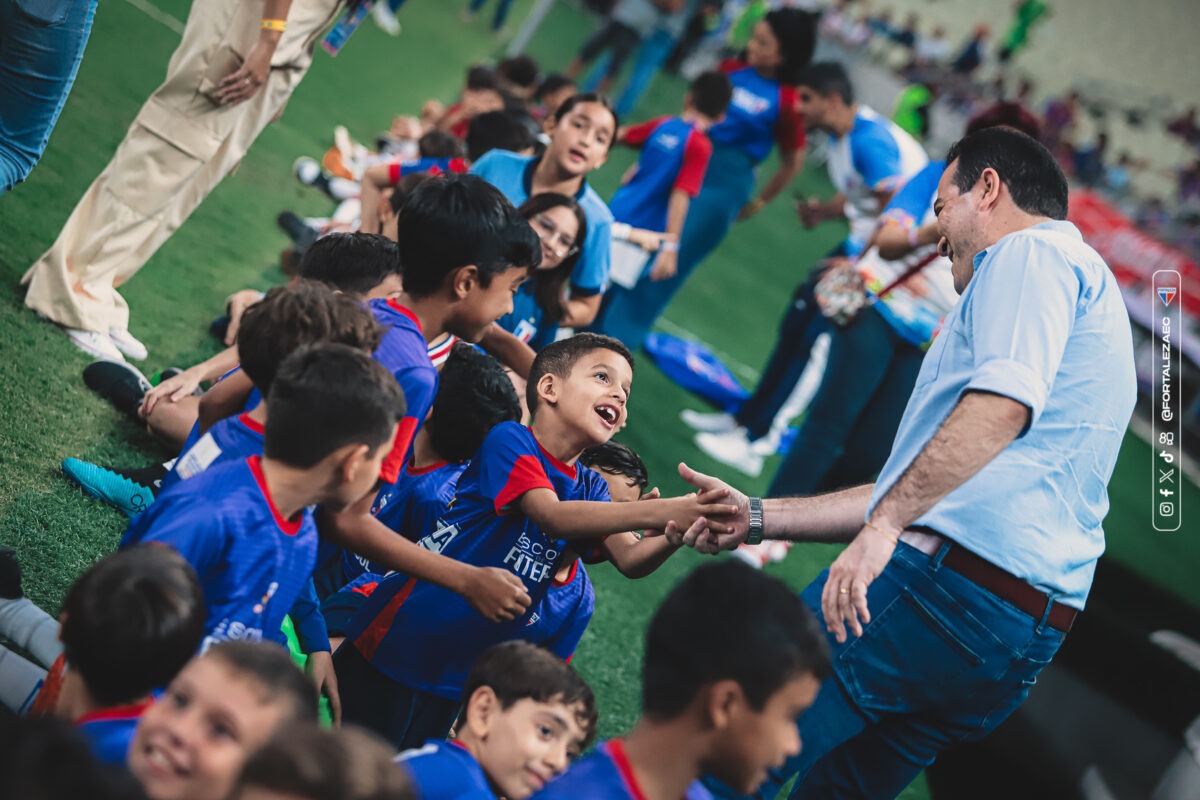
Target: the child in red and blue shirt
(522, 497)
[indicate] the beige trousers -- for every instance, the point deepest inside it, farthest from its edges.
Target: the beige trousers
(179, 147)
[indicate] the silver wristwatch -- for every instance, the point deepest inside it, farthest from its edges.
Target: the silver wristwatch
(755, 534)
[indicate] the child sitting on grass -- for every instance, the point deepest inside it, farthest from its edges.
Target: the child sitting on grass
(526, 716)
(518, 503)
(732, 658)
(218, 711)
(126, 627)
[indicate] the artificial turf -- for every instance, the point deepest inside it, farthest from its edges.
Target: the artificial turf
(733, 302)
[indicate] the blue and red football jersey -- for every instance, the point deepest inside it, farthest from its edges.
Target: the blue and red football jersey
(432, 166)
(674, 156)
(411, 507)
(762, 113)
(109, 731)
(442, 770)
(405, 354)
(559, 621)
(605, 774)
(426, 637)
(230, 439)
(251, 562)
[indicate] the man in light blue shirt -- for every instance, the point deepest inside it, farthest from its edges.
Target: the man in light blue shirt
(972, 553)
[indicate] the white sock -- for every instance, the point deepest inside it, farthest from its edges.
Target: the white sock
(31, 629)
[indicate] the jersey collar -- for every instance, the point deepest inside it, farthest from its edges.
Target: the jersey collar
(131, 711)
(616, 751)
(255, 426)
(291, 528)
(527, 179)
(570, 470)
(395, 306)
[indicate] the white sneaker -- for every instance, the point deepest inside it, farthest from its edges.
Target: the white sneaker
(97, 345)
(756, 555)
(718, 422)
(385, 19)
(306, 170)
(732, 449)
(777, 550)
(123, 340)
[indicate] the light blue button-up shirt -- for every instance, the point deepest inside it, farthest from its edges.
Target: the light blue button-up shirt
(1043, 322)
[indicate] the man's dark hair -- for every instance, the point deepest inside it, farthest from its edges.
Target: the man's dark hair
(439, 144)
(352, 263)
(796, 32)
(711, 93)
(519, 670)
(131, 622)
(474, 395)
(481, 77)
(828, 78)
(549, 284)
(48, 758)
(1031, 173)
(617, 459)
(551, 83)
(310, 762)
(728, 621)
(520, 71)
(303, 312)
(589, 97)
(271, 666)
(328, 396)
(559, 358)
(457, 220)
(496, 130)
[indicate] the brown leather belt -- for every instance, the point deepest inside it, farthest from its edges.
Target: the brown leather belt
(988, 576)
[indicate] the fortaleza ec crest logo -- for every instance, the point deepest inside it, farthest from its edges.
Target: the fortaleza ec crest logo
(1166, 294)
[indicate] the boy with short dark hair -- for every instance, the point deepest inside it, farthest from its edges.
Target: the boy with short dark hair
(464, 251)
(220, 709)
(246, 526)
(517, 504)
(126, 627)
(733, 657)
(526, 715)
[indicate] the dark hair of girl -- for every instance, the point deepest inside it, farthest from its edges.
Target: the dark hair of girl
(549, 285)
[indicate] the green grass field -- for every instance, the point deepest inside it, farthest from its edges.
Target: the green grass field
(733, 303)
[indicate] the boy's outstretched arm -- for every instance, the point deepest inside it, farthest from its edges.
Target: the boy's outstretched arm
(508, 350)
(574, 519)
(637, 556)
(497, 594)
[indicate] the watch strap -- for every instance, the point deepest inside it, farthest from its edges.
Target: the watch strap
(755, 534)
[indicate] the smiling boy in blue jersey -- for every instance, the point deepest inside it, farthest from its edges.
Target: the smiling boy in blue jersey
(517, 505)
(526, 716)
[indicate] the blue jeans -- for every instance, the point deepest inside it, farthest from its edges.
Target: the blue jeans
(855, 414)
(942, 661)
(628, 314)
(41, 45)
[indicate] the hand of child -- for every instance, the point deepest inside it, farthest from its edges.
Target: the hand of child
(172, 390)
(707, 538)
(497, 594)
(320, 669)
(665, 265)
(810, 212)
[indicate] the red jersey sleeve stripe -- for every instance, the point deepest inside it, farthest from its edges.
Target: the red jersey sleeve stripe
(696, 152)
(389, 470)
(789, 130)
(526, 474)
(636, 135)
(368, 642)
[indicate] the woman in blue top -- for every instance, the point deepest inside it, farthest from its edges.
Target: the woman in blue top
(561, 224)
(763, 114)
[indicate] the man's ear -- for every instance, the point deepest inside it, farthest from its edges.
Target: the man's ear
(482, 707)
(463, 280)
(992, 188)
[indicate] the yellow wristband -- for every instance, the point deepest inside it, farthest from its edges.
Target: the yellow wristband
(883, 533)
(274, 25)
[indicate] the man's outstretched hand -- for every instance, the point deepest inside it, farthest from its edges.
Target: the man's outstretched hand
(701, 535)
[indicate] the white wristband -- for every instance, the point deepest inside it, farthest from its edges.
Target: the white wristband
(621, 230)
(669, 247)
